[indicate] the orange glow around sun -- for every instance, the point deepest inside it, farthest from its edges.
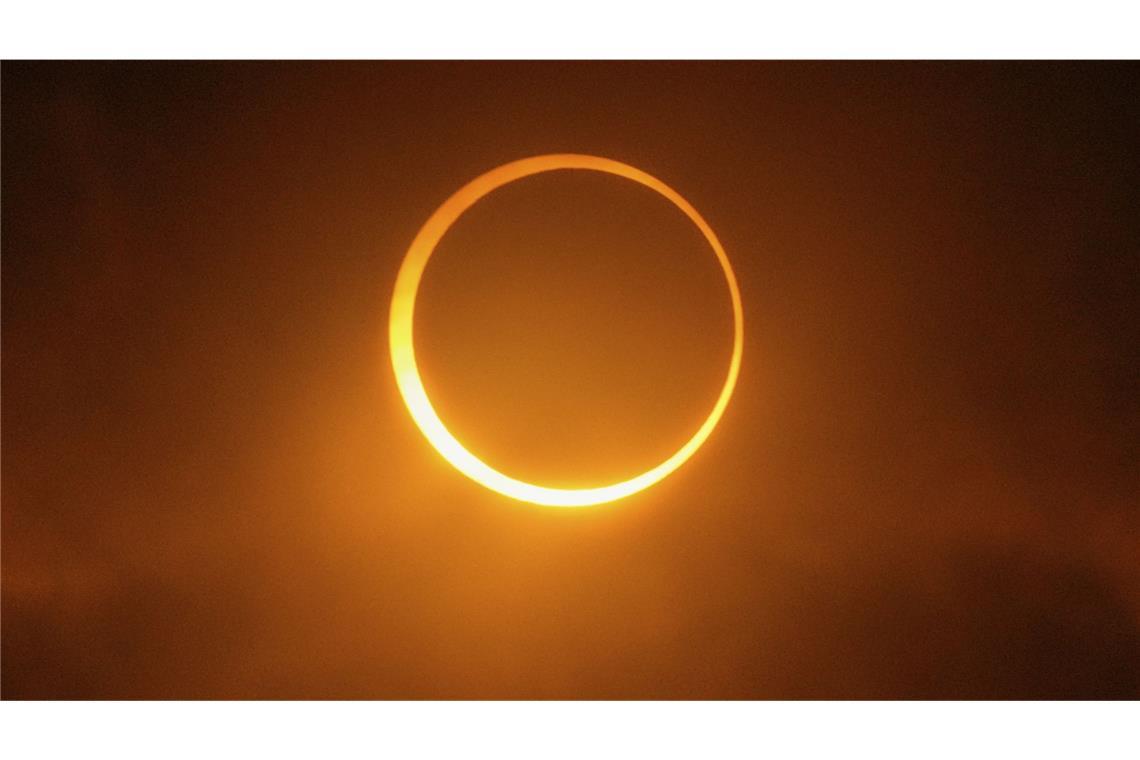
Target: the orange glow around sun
(400, 331)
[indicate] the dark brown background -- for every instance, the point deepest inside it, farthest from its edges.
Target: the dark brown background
(925, 486)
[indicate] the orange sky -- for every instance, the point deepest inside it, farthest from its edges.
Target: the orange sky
(924, 486)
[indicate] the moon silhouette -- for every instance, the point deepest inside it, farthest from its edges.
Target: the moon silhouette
(400, 331)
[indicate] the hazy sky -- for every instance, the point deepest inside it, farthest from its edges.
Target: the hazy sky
(926, 484)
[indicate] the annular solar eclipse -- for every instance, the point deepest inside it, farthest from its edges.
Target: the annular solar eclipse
(401, 346)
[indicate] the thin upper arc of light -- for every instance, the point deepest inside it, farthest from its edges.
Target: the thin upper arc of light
(403, 355)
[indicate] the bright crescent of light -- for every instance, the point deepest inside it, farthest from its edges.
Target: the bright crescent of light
(404, 356)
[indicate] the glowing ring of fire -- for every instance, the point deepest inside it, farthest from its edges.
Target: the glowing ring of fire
(404, 357)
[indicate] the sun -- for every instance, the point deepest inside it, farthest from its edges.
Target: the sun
(401, 346)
